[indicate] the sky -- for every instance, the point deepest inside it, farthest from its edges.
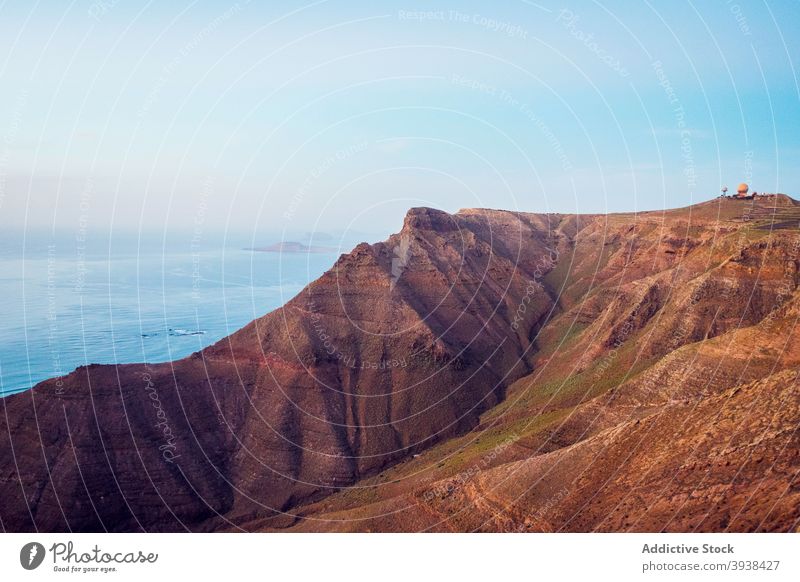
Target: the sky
(334, 116)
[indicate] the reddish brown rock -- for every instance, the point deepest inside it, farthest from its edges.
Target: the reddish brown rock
(484, 370)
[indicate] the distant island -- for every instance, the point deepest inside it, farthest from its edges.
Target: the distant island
(291, 247)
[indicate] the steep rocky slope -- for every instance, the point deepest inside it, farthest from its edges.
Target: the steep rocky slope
(485, 370)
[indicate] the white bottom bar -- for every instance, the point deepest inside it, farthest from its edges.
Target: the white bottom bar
(389, 557)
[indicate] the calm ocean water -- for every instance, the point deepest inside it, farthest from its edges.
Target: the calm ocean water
(66, 303)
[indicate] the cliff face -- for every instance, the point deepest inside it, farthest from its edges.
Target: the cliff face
(400, 345)
(475, 362)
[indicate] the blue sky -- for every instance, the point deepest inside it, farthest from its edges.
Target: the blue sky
(338, 116)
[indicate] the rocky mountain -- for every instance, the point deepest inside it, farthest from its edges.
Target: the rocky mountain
(485, 370)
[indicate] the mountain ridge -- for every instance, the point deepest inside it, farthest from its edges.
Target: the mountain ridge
(401, 349)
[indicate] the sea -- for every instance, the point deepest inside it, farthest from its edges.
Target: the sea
(68, 299)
